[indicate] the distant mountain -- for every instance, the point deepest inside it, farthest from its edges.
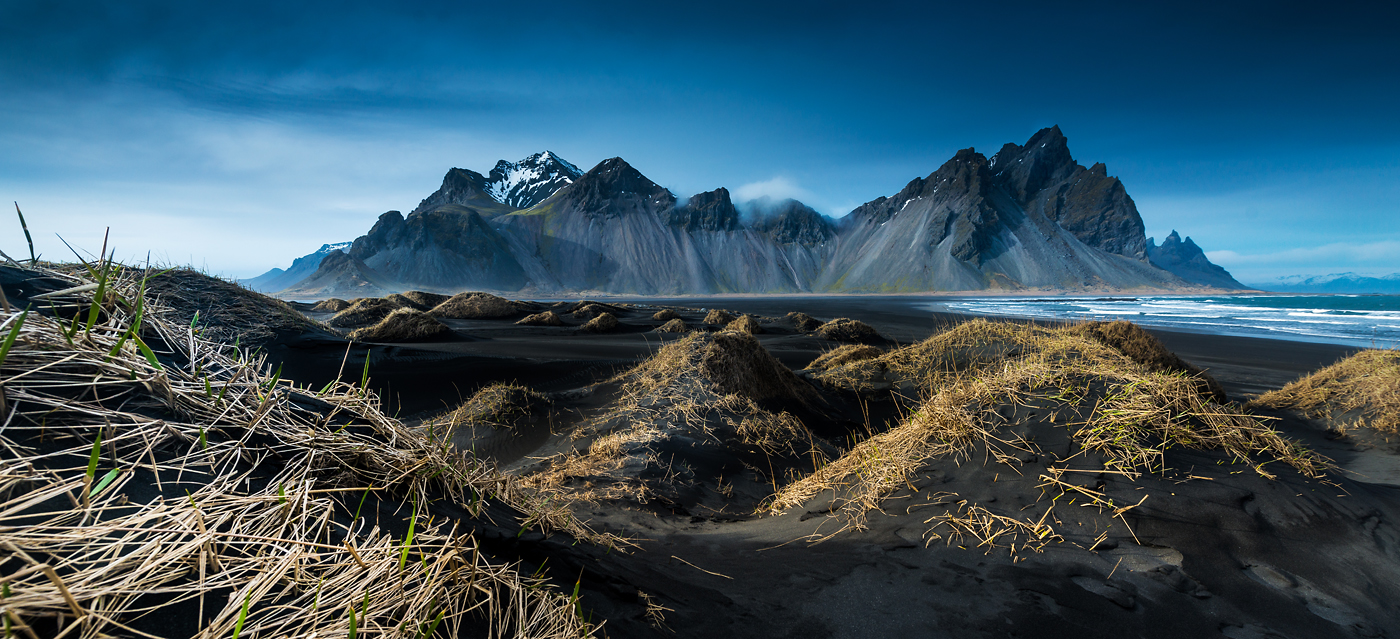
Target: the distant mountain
(301, 268)
(964, 228)
(340, 275)
(1336, 283)
(530, 181)
(1188, 262)
(1030, 217)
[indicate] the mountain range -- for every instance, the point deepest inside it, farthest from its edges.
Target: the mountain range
(1028, 218)
(1336, 283)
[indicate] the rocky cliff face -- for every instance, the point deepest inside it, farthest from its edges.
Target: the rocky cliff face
(962, 228)
(1029, 217)
(340, 275)
(1043, 178)
(448, 248)
(1187, 261)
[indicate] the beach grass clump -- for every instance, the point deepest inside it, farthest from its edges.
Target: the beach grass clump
(719, 317)
(471, 306)
(1144, 348)
(1113, 406)
(844, 354)
(704, 392)
(546, 318)
(419, 300)
(844, 329)
(364, 311)
(745, 324)
(803, 322)
(147, 468)
(500, 406)
(1360, 391)
(404, 325)
(666, 315)
(331, 305)
(675, 325)
(221, 310)
(587, 311)
(602, 323)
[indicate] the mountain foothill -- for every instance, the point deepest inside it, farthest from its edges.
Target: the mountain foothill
(1028, 218)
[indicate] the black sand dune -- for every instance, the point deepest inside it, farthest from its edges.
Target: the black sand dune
(1087, 495)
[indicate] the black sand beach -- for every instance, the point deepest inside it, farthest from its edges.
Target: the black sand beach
(1023, 532)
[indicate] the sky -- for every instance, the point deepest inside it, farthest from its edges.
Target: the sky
(235, 137)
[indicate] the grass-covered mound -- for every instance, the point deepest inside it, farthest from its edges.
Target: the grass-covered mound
(331, 305)
(686, 428)
(546, 318)
(602, 323)
(363, 311)
(675, 325)
(500, 406)
(592, 311)
(1360, 391)
(469, 306)
(226, 311)
(1142, 347)
(803, 322)
(1048, 405)
(419, 300)
(842, 355)
(666, 315)
(719, 317)
(843, 329)
(404, 325)
(159, 483)
(745, 324)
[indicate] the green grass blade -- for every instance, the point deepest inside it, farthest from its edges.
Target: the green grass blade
(408, 541)
(433, 627)
(12, 335)
(146, 350)
(106, 480)
(364, 377)
(362, 500)
(93, 457)
(203, 441)
(27, 238)
(243, 614)
(353, 631)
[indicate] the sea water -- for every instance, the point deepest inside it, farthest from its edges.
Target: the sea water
(1354, 320)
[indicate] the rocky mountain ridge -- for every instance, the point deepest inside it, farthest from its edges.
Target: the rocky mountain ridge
(1030, 217)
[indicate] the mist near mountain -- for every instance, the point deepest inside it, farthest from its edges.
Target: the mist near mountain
(1028, 218)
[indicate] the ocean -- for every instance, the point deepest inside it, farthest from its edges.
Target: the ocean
(1353, 320)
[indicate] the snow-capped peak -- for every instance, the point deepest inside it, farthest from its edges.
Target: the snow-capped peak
(327, 249)
(528, 182)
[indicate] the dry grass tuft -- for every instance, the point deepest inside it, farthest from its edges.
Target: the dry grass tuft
(844, 329)
(500, 406)
(803, 322)
(146, 470)
(477, 306)
(745, 324)
(666, 315)
(1128, 414)
(1360, 391)
(676, 325)
(417, 299)
(547, 318)
(842, 355)
(362, 312)
(719, 317)
(332, 305)
(702, 390)
(1143, 348)
(603, 323)
(591, 311)
(403, 325)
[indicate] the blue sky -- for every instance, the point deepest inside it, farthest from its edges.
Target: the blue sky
(238, 137)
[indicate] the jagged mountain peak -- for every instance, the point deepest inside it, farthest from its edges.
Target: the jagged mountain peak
(613, 178)
(790, 221)
(530, 181)
(1026, 170)
(1183, 258)
(708, 211)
